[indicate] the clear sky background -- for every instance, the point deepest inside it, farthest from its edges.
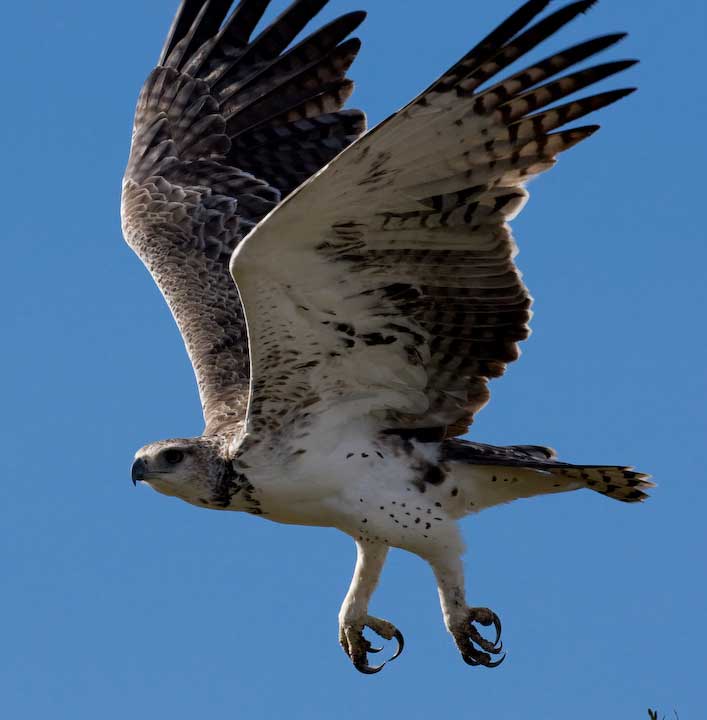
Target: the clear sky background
(120, 603)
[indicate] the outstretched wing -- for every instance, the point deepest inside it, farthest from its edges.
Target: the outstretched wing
(386, 284)
(225, 127)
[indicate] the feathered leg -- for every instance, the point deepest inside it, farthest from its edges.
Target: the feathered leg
(459, 618)
(354, 617)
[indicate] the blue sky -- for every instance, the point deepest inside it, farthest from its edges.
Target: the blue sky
(120, 603)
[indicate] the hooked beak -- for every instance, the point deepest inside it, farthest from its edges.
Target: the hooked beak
(137, 471)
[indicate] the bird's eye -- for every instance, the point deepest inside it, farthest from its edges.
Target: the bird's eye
(173, 457)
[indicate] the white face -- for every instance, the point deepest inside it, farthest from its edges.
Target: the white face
(181, 468)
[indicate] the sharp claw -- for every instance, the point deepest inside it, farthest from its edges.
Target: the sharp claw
(358, 647)
(496, 663)
(367, 669)
(497, 625)
(476, 649)
(401, 645)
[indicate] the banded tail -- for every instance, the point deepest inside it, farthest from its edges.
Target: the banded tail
(501, 474)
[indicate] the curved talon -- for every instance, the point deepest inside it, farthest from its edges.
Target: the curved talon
(475, 648)
(482, 659)
(401, 645)
(487, 617)
(357, 647)
(497, 625)
(496, 663)
(368, 669)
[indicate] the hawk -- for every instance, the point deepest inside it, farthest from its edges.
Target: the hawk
(345, 297)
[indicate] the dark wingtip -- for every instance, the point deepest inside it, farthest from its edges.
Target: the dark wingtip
(585, 131)
(620, 65)
(589, 5)
(357, 16)
(352, 44)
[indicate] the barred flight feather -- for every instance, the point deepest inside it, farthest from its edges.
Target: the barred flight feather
(192, 189)
(422, 204)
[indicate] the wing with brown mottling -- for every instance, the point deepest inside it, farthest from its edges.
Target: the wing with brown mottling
(226, 126)
(393, 270)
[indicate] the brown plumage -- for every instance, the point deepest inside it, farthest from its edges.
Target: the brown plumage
(225, 127)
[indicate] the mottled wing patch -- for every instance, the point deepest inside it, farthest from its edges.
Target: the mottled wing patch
(401, 250)
(225, 126)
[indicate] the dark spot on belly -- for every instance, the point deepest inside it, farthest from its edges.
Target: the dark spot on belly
(433, 475)
(455, 492)
(428, 526)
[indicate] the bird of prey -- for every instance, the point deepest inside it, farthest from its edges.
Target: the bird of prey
(346, 296)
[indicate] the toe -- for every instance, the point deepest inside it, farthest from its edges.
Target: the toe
(357, 647)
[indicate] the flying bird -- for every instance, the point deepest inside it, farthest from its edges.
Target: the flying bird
(346, 296)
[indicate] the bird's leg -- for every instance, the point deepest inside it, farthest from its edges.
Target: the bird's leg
(354, 617)
(460, 618)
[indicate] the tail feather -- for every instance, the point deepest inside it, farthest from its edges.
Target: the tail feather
(503, 474)
(620, 483)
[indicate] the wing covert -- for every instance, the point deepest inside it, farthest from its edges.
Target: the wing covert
(394, 266)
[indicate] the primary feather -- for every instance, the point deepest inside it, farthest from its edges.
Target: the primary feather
(225, 127)
(409, 225)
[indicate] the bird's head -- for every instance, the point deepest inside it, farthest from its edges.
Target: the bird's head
(191, 469)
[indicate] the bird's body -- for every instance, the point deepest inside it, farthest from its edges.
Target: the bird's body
(375, 289)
